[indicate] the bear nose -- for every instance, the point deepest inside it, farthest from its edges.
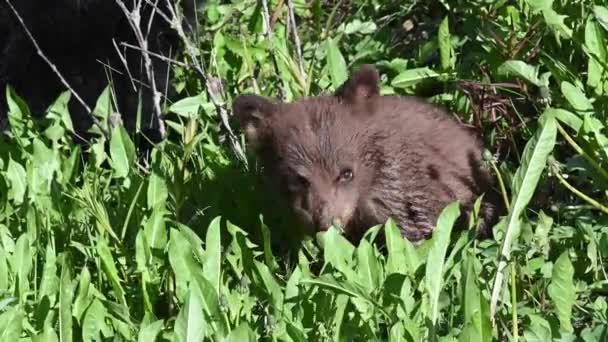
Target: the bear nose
(323, 224)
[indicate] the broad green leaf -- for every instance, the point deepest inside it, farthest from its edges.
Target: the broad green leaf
(336, 64)
(242, 333)
(562, 291)
(22, 263)
(49, 285)
(412, 77)
(268, 257)
(595, 42)
(210, 304)
(368, 267)
(83, 299)
(213, 255)
(566, 117)
(109, 267)
(435, 265)
(397, 259)
(103, 111)
(155, 229)
(66, 294)
(523, 70)
(538, 331)
(601, 14)
(17, 178)
(446, 51)
(270, 285)
(189, 326)
(5, 283)
(576, 97)
(122, 152)
(524, 183)
(94, 321)
(477, 326)
(182, 262)
(188, 107)
(59, 110)
(157, 191)
(341, 303)
(556, 22)
(12, 324)
(338, 252)
(149, 331)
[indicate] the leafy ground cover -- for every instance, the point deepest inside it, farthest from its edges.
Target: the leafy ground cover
(100, 243)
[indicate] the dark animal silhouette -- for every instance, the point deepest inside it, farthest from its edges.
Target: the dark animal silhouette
(76, 35)
(356, 158)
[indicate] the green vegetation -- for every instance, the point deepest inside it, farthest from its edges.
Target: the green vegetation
(97, 243)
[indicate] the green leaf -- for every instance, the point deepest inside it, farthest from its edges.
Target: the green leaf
(562, 291)
(149, 331)
(242, 333)
(478, 326)
(538, 331)
(189, 107)
(576, 97)
(109, 267)
(446, 51)
(17, 178)
(601, 14)
(122, 152)
(103, 111)
(397, 261)
(189, 326)
(94, 321)
(22, 263)
(157, 191)
(336, 64)
(83, 299)
(412, 77)
(368, 267)
(155, 229)
(523, 70)
(338, 252)
(435, 265)
(213, 255)
(523, 185)
(66, 293)
(59, 110)
(12, 324)
(595, 42)
(182, 262)
(49, 285)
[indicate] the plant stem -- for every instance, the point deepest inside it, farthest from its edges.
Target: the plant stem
(501, 183)
(514, 302)
(582, 152)
(581, 195)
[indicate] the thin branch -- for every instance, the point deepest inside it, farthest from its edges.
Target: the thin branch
(54, 68)
(270, 38)
(134, 20)
(296, 39)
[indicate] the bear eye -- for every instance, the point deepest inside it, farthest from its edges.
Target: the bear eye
(346, 175)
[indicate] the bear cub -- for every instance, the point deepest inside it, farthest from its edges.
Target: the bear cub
(356, 158)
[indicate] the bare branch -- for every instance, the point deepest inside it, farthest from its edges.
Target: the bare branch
(296, 38)
(134, 20)
(270, 38)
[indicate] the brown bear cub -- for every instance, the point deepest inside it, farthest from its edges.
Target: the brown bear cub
(356, 158)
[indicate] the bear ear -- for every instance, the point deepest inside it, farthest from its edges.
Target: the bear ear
(253, 113)
(362, 84)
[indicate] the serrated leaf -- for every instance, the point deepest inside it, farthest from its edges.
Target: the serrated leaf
(525, 180)
(336, 64)
(562, 290)
(435, 264)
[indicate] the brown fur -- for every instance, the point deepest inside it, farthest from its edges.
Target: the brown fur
(357, 158)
